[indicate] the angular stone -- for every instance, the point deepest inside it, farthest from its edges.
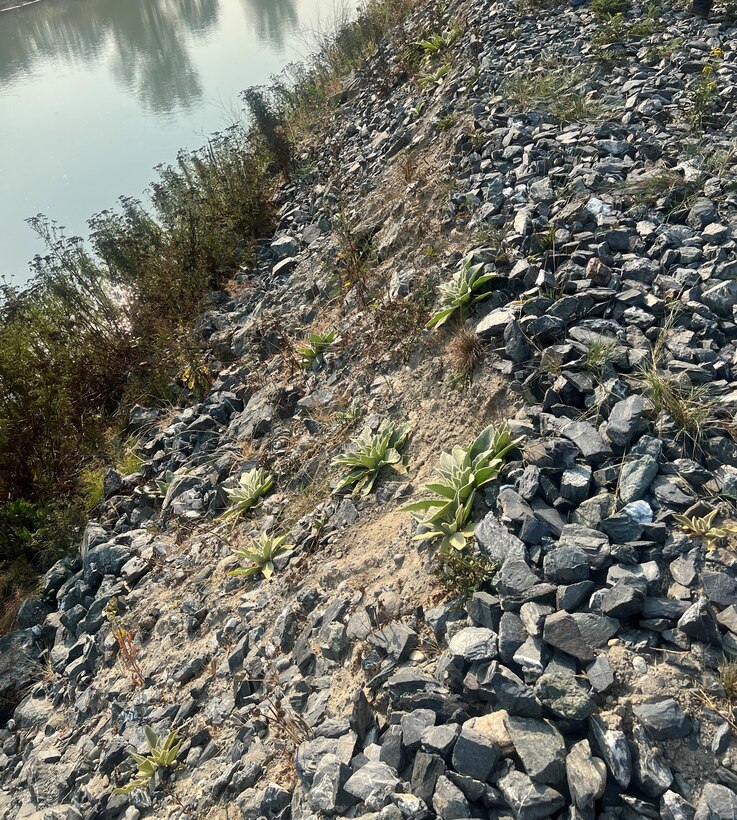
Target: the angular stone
(587, 439)
(449, 802)
(663, 719)
(650, 772)
(327, 793)
(496, 542)
(564, 696)
(613, 747)
(624, 420)
(716, 803)
(636, 477)
(373, 784)
(474, 643)
(700, 623)
(425, 773)
(562, 632)
(600, 674)
(540, 747)
(626, 598)
(566, 565)
(529, 800)
(475, 754)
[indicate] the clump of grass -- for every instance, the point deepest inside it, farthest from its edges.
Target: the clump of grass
(560, 91)
(693, 409)
(728, 679)
(598, 357)
(461, 574)
(653, 186)
(465, 351)
(604, 9)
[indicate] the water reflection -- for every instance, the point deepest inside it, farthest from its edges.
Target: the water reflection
(147, 41)
(273, 19)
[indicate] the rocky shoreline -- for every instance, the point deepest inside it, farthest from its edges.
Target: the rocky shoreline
(586, 163)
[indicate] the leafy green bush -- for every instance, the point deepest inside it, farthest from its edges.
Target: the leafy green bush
(261, 555)
(464, 288)
(461, 473)
(368, 454)
(252, 486)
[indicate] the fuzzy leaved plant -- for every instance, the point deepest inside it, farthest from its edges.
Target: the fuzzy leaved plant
(162, 754)
(251, 488)
(461, 473)
(464, 288)
(261, 554)
(315, 345)
(703, 528)
(368, 454)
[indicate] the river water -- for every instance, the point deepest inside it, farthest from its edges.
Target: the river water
(95, 93)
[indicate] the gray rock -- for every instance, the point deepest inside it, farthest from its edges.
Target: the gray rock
(613, 747)
(540, 747)
(496, 542)
(566, 565)
(636, 477)
(440, 740)
(626, 598)
(449, 802)
(564, 696)
(700, 623)
(425, 773)
(529, 800)
(586, 775)
(562, 632)
(475, 754)
(373, 784)
(575, 482)
(674, 807)
(414, 725)
(600, 674)
(650, 772)
(502, 687)
(587, 439)
(624, 420)
(474, 643)
(722, 739)
(716, 803)
(663, 719)
(284, 246)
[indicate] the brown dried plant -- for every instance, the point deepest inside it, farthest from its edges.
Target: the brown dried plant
(124, 638)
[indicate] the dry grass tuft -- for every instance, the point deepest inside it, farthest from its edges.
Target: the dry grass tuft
(465, 351)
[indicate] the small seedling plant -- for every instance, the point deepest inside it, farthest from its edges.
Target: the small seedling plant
(703, 528)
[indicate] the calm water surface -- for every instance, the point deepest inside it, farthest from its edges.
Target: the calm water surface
(95, 93)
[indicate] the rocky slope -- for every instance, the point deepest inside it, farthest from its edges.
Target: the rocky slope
(588, 165)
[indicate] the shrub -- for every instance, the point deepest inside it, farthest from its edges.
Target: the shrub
(271, 128)
(369, 454)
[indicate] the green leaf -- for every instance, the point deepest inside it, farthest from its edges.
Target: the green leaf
(457, 541)
(151, 737)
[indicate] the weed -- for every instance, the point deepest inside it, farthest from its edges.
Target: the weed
(124, 638)
(465, 287)
(704, 94)
(703, 528)
(369, 454)
(264, 549)
(559, 91)
(429, 252)
(354, 259)
(252, 486)
(692, 409)
(416, 111)
(433, 45)
(462, 574)
(447, 122)
(314, 346)
(465, 352)
(606, 9)
(598, 357)
(162, 755)
(436, 78)
(728, 679)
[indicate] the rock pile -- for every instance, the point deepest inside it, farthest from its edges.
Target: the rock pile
(584, 680)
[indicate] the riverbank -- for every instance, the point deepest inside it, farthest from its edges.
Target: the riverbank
(576, 655)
